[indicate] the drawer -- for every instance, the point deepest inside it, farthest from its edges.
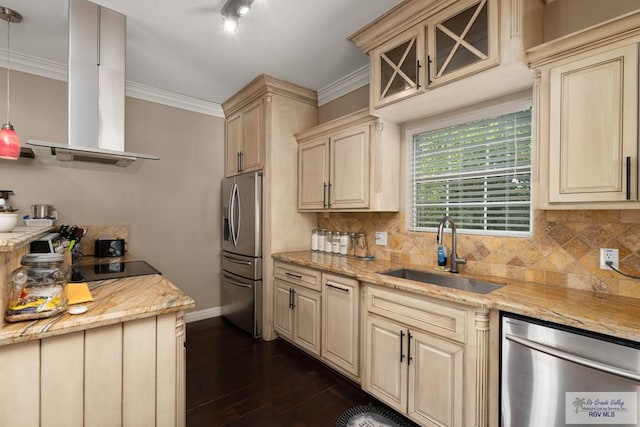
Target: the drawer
(430, 315)
(298, 275)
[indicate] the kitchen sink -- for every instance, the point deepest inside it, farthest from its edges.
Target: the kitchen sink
(449, 281)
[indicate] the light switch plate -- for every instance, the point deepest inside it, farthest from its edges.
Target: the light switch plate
(381, 238)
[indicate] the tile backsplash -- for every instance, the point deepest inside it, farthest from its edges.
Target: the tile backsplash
(564, 249)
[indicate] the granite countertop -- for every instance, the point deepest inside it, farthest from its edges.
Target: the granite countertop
(607, 314)
(115, 301)
(22, 235)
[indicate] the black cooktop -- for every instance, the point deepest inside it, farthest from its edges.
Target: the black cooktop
(110, 270)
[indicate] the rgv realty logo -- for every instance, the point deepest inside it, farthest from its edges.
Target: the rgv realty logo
(601, 408)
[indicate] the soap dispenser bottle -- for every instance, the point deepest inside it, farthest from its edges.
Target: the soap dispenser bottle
(442, 256)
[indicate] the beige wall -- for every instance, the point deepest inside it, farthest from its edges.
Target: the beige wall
(562, 17)
(345, 104)
(171, 205)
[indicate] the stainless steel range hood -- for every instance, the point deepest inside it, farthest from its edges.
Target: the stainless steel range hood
(96, 86)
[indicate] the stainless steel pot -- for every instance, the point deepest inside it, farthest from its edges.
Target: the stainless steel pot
(41, 211)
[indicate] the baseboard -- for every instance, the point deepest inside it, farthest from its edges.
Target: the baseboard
(207, 313)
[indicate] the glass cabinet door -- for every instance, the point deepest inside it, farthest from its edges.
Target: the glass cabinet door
(462, 38)
(396, 66)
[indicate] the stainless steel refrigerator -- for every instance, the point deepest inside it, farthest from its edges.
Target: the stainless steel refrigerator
(241, 279)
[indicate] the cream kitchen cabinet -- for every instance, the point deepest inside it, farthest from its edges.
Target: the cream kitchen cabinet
(341, 323)
(245, 133)
(276, 110)
(349, 164)
(427, 358)
(456, 41)
(125, 374)
(297, 311)
(587, 118)
(418, 48)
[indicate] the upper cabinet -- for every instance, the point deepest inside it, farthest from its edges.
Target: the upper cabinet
(245, 132)
(587, 117)
(349, 164)
(417, 51)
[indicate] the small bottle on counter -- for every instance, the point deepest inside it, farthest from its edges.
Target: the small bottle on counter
(335, 243)
(314, 240)
(344, 243)
(328, 240)
(321, 233)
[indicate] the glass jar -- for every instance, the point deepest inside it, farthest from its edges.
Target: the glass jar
(321, 233)
(38, 288)
(314, 240)
(328, 240)
(351, 249)
(344, 243)
(362, 248)
(335, 243)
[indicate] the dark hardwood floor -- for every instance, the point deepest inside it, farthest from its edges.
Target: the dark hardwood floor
(234, 380)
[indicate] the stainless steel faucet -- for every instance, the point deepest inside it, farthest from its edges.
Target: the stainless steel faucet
(454, 244)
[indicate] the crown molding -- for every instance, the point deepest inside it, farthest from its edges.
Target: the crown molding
(343, 86)
(172, 99)
(59, 71)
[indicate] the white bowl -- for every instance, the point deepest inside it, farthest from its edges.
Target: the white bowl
(8, 221)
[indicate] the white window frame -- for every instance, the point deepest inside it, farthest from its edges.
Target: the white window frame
(477, 112)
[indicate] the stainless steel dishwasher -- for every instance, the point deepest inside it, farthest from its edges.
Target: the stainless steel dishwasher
(553, 375)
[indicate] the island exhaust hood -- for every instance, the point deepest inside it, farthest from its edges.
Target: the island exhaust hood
(96, 88)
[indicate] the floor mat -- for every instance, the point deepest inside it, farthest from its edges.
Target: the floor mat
(372, 416)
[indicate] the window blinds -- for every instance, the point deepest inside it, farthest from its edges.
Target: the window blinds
(479, 173)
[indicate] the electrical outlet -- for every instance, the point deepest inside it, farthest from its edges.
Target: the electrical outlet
(607, 254)
(381, 238)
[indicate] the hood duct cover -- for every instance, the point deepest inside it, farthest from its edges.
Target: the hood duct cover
(97, 50)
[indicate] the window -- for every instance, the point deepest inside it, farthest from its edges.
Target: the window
(478, 172)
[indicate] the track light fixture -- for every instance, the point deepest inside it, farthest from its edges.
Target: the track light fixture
(232, 11)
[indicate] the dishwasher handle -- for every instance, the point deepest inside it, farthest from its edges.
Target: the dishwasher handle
(602, 367)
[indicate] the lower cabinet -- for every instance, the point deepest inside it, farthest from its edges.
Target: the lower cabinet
(320, 313)
(297, 315)
(426, 358)
(340, 323)
(126, 374)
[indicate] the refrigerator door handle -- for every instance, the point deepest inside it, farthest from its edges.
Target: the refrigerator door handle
(236, 261)
(235, 228)
(235, 283)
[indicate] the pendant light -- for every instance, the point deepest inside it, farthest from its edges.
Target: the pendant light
(9, 141)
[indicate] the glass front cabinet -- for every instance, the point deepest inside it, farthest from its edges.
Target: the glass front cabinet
(455, 41)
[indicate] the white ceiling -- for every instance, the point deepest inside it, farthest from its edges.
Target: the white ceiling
(182, 48)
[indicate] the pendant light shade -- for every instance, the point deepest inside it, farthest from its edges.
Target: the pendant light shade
(9, 141)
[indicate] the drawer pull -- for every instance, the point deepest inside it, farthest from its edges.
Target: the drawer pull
(337, 287)
(296, 276)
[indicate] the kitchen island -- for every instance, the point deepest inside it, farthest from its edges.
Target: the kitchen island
(122, 363)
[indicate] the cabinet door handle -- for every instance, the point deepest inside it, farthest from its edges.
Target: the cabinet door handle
(429, 62)
(409, 358)
(628, 177)
(293, 299)
(340, 288)
(329, 197)
(418, 66)
(241, 161)
(401, 346)
(324, 196)
(295, 276)
(290, 300)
